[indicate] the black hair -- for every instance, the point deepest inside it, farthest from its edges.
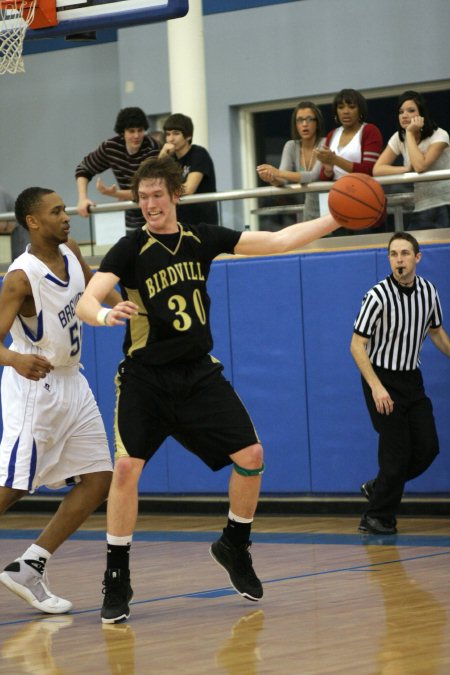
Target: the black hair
(130, 118)
(407, 237)
(350, 96)
(159, 168)
(320, 129)
(27, 202)
(179, 122)
(428, 125)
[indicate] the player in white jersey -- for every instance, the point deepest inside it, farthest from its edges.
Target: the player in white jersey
(53, 433)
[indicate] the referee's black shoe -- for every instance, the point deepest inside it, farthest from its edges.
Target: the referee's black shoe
(118, 593)
(367, 489)
(237, 561)
(370, 525)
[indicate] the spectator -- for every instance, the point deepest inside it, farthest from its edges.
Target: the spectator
(19, 235)
(299, 163)
(198, 169)
(122, 154)
(355, 145)
(424, 147)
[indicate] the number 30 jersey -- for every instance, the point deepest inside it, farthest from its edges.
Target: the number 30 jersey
(166, 275)
(55, 330)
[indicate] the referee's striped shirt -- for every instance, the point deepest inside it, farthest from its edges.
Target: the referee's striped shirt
(396, 320)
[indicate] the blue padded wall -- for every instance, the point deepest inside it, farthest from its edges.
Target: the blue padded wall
(334, 285)
(282, 328)
(265, 297)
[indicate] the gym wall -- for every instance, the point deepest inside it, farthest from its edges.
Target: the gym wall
(282, 327)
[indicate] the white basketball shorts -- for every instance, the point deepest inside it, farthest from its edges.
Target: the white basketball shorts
(52, 430)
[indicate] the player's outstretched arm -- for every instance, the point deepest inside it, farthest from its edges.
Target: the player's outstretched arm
(90, 309)
(288, 239)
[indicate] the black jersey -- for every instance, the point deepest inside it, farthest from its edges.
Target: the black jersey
(165, 275)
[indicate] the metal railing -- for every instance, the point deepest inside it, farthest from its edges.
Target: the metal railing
(396, 202)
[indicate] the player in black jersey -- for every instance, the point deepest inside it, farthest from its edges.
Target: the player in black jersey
(168, 384)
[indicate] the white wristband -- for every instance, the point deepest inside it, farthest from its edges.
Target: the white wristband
(101, 316)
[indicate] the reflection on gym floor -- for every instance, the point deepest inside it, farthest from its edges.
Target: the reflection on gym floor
(334, 602)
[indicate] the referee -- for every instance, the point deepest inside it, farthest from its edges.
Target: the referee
(395, 317)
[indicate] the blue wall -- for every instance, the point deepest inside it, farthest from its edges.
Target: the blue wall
(282, 328)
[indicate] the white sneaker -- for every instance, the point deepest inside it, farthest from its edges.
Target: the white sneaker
(27, 582)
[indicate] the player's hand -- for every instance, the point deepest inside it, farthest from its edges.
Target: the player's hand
(109, 190)
(121, 313)
(383, 402)
(31, 366)
(83, 206)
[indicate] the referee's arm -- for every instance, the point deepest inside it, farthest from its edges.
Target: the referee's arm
(383, 402)
(440, 339)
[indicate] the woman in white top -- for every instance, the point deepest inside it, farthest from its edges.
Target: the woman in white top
(355, 145)
(299, 163)
(424, 147)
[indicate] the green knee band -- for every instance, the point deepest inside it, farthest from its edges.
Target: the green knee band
(248, 472)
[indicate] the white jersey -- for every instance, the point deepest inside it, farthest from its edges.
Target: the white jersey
(55, 331)
(53, 433)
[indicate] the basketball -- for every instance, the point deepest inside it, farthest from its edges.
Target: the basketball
(357, 201)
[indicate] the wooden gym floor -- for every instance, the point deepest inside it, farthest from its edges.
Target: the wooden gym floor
(334, 601)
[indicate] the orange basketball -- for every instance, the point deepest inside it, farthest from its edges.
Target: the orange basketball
(357, 201)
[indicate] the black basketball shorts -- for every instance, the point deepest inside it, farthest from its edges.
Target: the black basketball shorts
(192, 402)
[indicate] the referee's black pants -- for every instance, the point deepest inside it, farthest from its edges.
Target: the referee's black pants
(408, 441)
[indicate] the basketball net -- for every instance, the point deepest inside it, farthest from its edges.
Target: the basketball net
(15, 17)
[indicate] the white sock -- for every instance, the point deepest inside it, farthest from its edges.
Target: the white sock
(238, 519)
(119, 541)
(35, 552)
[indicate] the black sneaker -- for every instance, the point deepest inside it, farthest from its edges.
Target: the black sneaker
(237, 561)
(369, 525)
(367, 489)
(118, 593)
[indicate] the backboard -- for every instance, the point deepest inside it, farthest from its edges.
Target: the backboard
(83, 16)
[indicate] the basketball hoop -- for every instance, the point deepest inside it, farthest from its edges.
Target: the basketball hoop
(16, 16)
